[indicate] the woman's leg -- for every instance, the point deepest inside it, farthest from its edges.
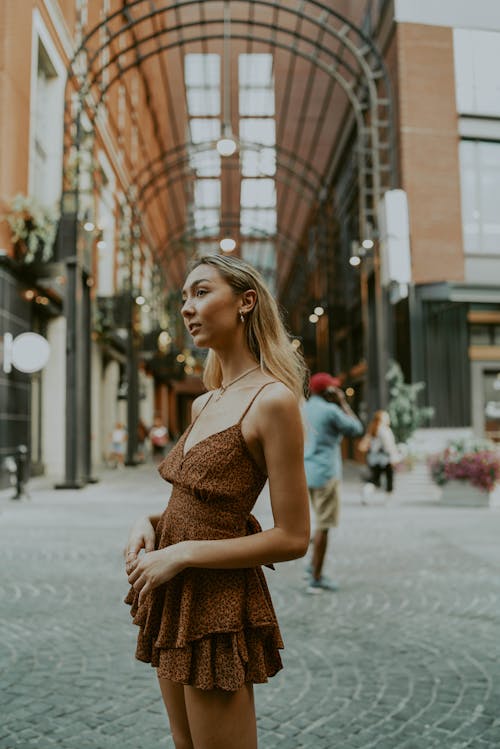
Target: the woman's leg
(173, 697)
(389, 477)
(376, 471)
(220, 719)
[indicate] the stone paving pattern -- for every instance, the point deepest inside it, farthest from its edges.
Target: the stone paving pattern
(405, 655)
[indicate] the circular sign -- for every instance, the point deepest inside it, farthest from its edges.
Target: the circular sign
(30, 352)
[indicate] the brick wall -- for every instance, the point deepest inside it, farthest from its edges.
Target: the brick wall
(429, 151)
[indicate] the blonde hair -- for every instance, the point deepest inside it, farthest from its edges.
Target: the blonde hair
(378, 418)
(266, 335)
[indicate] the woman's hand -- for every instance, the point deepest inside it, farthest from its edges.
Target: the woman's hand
(141, 536)
(155, 568)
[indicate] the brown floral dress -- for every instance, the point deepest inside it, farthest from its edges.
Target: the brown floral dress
(210, 628)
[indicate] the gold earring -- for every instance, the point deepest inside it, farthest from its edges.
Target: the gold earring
(242, 316)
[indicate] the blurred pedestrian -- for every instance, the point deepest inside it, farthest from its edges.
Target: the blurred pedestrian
(158, 434)
(118, 444)
(198, 591)
(382, 454)
(328, 418)
(142, 434)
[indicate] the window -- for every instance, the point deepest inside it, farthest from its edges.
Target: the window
(202, 76)
(256, 89)
(477, 71)
(262, 255)
(47, 145)
(480, 186)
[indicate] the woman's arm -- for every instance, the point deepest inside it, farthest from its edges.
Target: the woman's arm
(280, 433)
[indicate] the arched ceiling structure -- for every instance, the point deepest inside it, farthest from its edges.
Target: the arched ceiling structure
(280, 74)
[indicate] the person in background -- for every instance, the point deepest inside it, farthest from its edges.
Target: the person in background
(382, 454)
(328, 418)
(158, 435)
(118, 444)
(142, 433)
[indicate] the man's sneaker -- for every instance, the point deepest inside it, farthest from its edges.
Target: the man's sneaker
(318, 586)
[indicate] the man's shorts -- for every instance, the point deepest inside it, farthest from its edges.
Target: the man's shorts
(326, 504)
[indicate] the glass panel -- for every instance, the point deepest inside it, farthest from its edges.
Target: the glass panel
(480, 335)
(205, 163)
(256, 163)
(260, 131)
(204, 131)
(258, 193)
(207, 193)
(480, 189)
(202, 70)
(206, 222)
(477, 77)
(491, 385)
(256, 222)
(203, 101)
(255, 70)
(256, 101)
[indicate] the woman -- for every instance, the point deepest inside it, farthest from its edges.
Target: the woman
(381, 452)
(198, 593)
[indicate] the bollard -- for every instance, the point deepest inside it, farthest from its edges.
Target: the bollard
(21, 472)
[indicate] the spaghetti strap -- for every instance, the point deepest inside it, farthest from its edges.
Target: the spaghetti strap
(202, 409)
(253, 398)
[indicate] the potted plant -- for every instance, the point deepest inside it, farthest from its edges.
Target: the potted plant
(468, 472)
(33, 229)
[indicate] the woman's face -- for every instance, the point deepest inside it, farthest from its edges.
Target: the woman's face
(210, 308)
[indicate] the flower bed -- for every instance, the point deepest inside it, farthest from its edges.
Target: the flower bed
(477, 462)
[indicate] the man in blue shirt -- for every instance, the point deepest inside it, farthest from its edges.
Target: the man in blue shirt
(328, 418)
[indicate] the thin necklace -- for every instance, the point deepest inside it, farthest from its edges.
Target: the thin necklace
(223, 388)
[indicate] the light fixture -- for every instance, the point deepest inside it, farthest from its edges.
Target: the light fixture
(296, 343)
(227, 244)
(354, 260)
(367, 244)
(89, 226)
(29, 295)
(226, 146)
(349, 392)
(313, 318)
(140, 300)
(180, 358)
(101, 245)
(319, 311)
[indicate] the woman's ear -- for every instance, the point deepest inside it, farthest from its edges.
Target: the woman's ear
(248, 300)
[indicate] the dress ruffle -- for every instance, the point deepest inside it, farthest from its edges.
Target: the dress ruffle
(225, 660)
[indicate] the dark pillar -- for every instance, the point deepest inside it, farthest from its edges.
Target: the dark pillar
(133, 386)
(72, 477)
(86, 386)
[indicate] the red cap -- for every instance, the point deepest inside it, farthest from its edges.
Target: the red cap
(320, 381)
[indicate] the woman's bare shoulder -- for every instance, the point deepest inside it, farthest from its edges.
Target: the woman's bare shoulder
(277, 401)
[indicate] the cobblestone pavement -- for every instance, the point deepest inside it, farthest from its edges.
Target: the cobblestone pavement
(405, 655)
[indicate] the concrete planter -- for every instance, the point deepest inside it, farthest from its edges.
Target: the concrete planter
(461, 493)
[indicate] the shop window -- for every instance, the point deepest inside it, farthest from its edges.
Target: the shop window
(480, 335)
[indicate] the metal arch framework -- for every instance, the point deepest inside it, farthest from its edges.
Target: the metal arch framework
(331, 43)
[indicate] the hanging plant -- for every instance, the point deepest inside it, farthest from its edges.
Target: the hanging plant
(33, 228)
